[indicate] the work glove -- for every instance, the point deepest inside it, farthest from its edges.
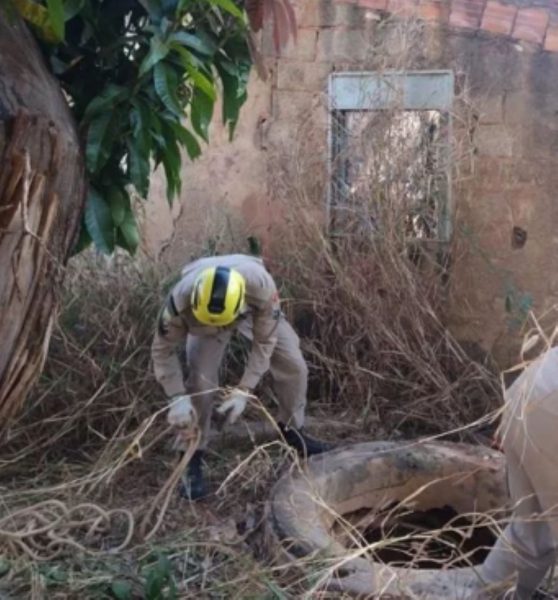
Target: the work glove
(234, 405)
(181, 412)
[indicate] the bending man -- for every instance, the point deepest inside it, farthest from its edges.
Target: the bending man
(215, 297)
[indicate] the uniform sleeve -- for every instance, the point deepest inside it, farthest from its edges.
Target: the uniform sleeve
(266, 314)
(171, 330)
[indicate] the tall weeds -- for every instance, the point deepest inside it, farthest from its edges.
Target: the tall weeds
(369, 288)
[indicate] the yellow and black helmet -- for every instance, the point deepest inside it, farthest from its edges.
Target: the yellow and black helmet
(218, 296)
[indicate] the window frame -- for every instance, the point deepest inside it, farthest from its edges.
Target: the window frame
(382, 90)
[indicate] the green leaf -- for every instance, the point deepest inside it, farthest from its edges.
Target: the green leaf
(198, 42)
(154, 9)
(72, 8)
(227, 67)
(154, 584)
(138, 168)
(56, 15)
(202, 82)
(157, 51)
(170, 157)
(235, 80)
(106, 100)
(158, 578)
(121, 590)
(230, 7)
(171, 164)
(156, 131)
(139, 148)
(166, 82)
(119, 202)
(186, 139)
(234, 121)
(140, 117)
(201, 113)
(231, 104)
(96, 152)
(38, 16)
(98, 220)
(128, 232)
(169, 7)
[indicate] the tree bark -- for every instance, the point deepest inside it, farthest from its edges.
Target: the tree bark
(42, 184)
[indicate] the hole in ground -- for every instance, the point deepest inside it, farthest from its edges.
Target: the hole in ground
(431, 539)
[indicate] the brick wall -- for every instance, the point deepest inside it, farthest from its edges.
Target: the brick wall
(506, 140)
(535, 24)
(506, 110)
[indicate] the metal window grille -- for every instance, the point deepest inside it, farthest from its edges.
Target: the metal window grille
(390, 139)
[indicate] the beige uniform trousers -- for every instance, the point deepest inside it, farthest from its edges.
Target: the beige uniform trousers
(526, 550)
(287, 368)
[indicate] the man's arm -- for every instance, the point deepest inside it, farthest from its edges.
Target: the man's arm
(171, 330)
(266, 315)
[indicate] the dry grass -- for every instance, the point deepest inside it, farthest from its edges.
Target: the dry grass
(370, 308)
(94, 432)
(371, 297)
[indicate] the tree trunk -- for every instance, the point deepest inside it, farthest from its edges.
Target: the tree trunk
(42, 185)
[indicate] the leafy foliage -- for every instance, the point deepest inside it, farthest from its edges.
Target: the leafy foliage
(134, 71)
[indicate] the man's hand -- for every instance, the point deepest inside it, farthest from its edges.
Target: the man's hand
(234, 405)
(181, 412)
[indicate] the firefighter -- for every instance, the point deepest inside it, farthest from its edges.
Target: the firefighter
(215, 297)
(528, 433)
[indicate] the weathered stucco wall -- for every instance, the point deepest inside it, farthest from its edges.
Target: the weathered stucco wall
(505, 152)
(224, 193)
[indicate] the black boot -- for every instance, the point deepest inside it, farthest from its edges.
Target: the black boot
(192, 485)
(302, 443)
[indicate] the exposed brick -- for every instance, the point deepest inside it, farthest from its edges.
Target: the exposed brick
(304, 48)
(498, 17)
(492, 173)
(317, 13)
(433, 11)
(373, 4)
(402, 8)
(466, 13)
(516, 107)
(492, 110)
(299, 75)
(530, 25)
(494, 140)
(551, 39)
(309, 14)
(342, 44)
(292, 106)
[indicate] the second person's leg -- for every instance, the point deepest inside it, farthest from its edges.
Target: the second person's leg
(289, 373)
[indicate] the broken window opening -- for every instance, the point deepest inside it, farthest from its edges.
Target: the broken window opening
(390, 155)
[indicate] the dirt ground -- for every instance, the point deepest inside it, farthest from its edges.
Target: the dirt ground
(214, 548)
(94, 431)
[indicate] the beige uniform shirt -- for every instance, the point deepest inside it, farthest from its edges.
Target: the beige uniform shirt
(176, 320)
(537, 386)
